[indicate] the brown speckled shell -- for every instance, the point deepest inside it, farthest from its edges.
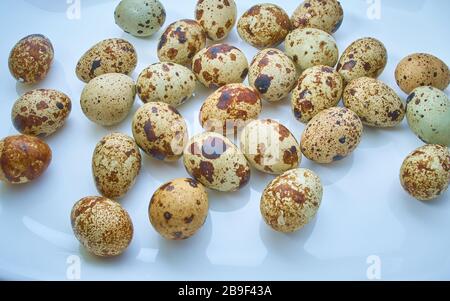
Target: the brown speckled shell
(291, 200)
(116, 163)
(425, 173)
(421, 69)
(160, 131)
(102, 226)
(31, 58)
(331, 135)
(23, 159)
(41, 112)
(107, 56)
(219, 65)
(264, 25)
(217, 17)
(179, 208)
(374, 102)
(326, 15)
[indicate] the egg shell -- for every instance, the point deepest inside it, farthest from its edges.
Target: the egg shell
(116, 163)
(422, 69)
(23, 159)
(41, 112)
(179, 208)
(216, 162)
(326, 15)
(166, 82)
(273, 74)
(428, 115)
(108, 98)
(181, 41)
(374, 102)
(331, 135)
(219, 65)
(102, 226)
(217, 17)
(364, 57)
(425, 173)
(318, 88)
(230, 107)
(291, 200)
(264, 25)
(270, 147)
(160, 131)
(141, 18)
(31, 58)
(107, 56)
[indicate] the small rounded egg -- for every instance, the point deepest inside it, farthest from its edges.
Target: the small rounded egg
(217, 17)
(324, 15)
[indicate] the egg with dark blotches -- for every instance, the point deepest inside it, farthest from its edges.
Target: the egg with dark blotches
(324, 15)
(179, 208)
(217, 17)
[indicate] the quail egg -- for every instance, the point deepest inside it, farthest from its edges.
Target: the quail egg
(324, 15)
(217, 17)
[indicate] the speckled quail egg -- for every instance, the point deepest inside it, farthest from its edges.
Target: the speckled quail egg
(425, 173)
(264, 25)
(428, 115)
(116, 163)
(309, 47)
(364, 57)
(23, 159)
(166, 82)
(326, 15)
(421, 69)
(181, 41)
(102, 226)
(291, 200)
(270, 147)
(216, 162)
(217, 17)
(374, 102)
(141, 18)
(107, 56)
(219, 65)
(179, 208)
(108, 98)
(318, 88)
(331, 135)
(160, 131)
(31, 58)
(273, 74)
(41, 112)
(230, 107)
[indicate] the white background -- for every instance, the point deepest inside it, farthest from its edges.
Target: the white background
(364, 211)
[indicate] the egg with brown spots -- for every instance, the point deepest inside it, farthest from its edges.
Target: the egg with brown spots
(219, 65)
(230, 107)
(181, 41)
(23, 159)
(216, 162)
(366, 57)
(273, 74)
(270, 147)
(291, 200)
(107, 56)
(116, 163)
(31, 58)
(107, 99)
(374, 102)
(326, 15)
(102, 226)
(264, 25)
(422, 69)
(217, 17)
(425, 173)
(331, 135)
(179, 208)
(160, 131)
(309, 47)
(41, 112)
(167, 82)
(318, 88)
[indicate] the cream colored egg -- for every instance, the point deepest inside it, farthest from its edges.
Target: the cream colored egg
(325, 15)
(217, 17)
